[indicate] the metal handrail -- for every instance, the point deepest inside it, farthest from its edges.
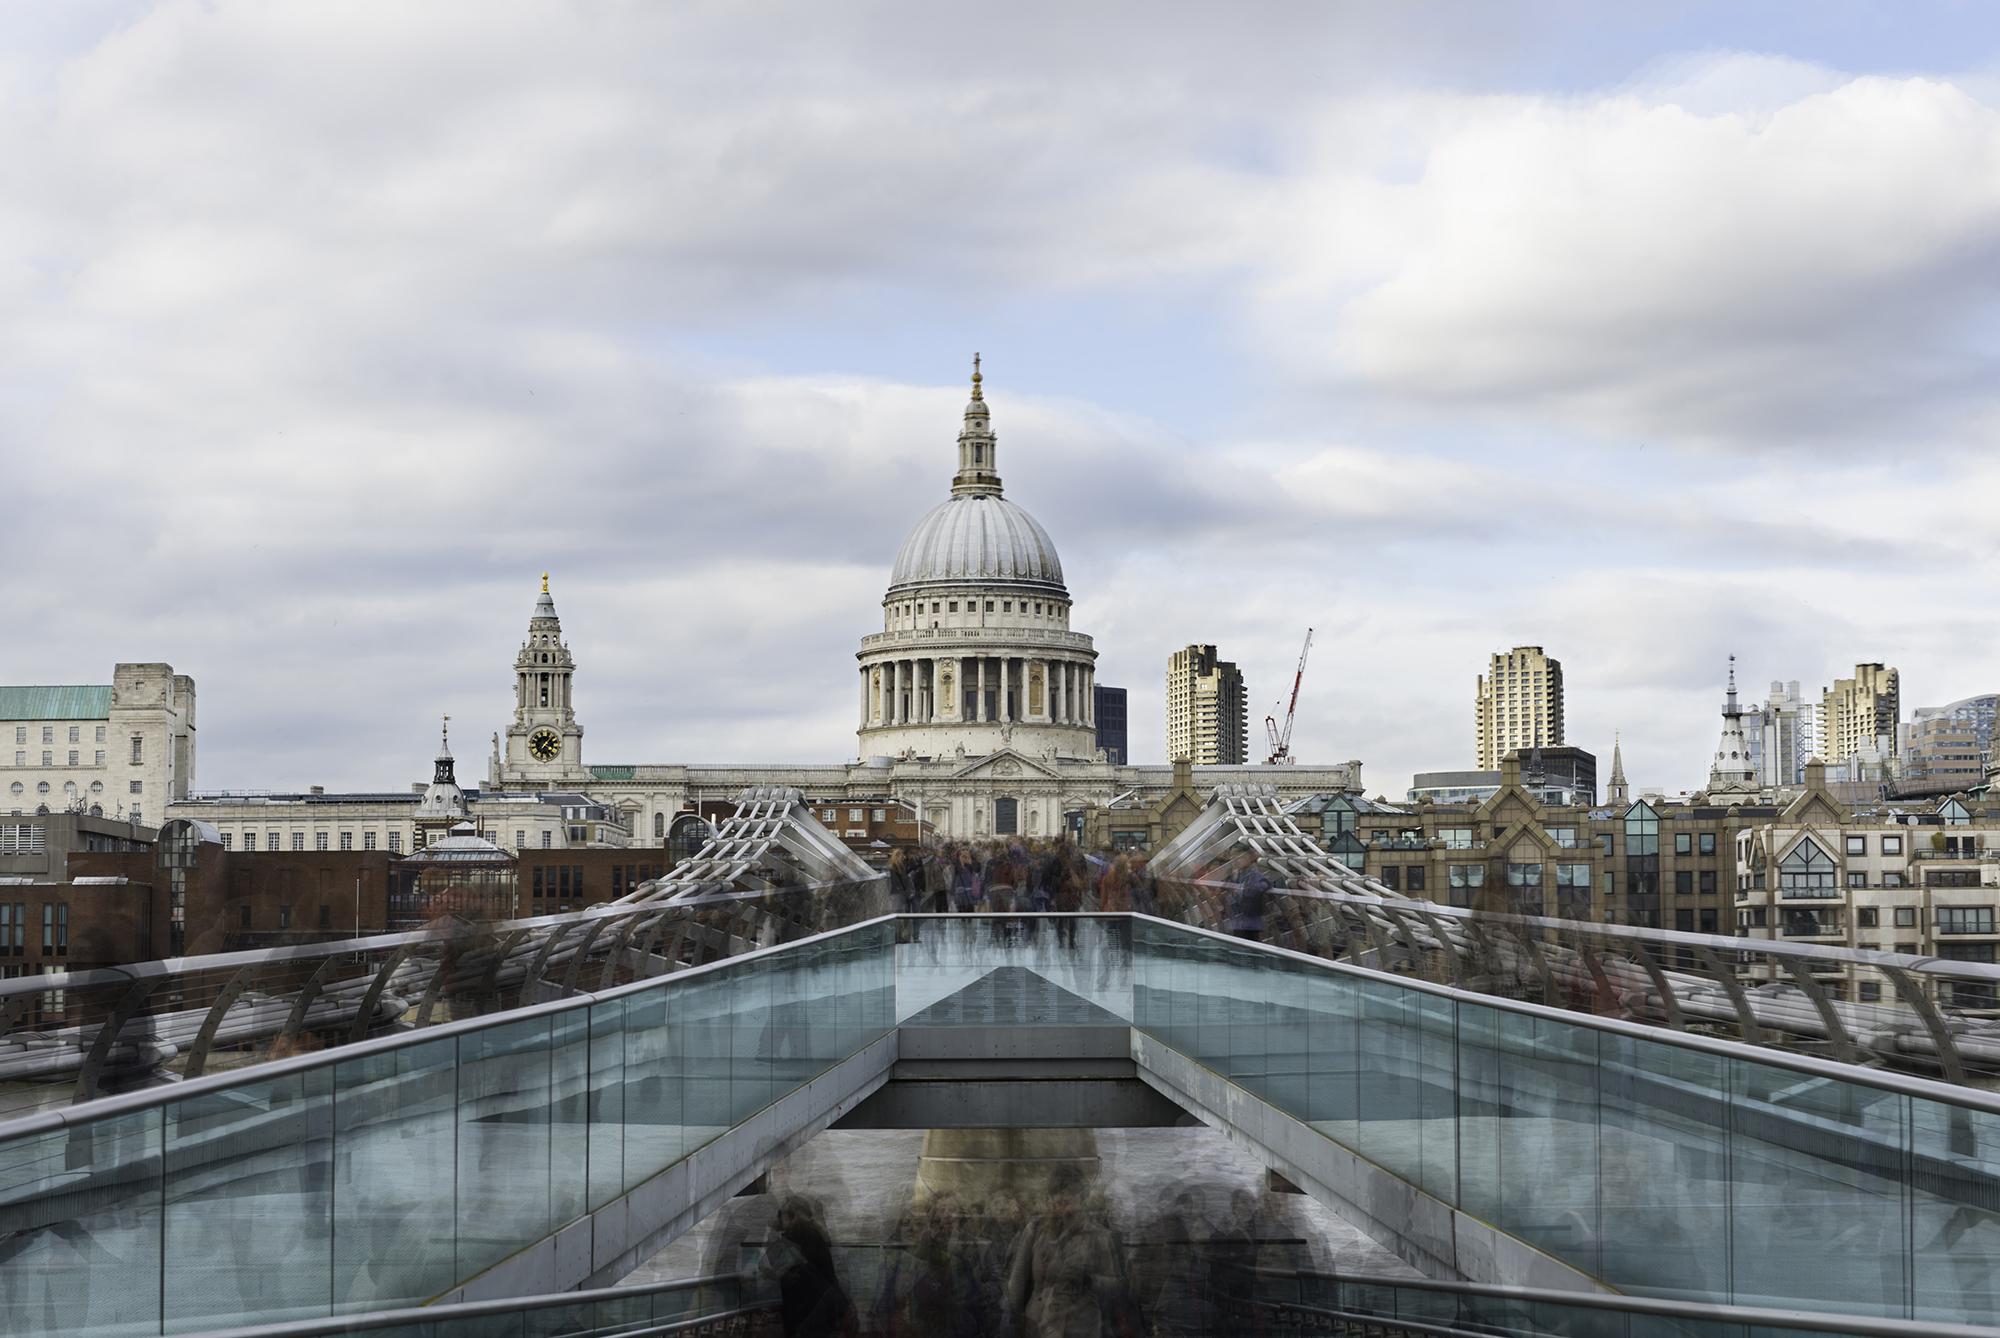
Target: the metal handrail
(368, 1321)
(1820, 1322)
(124, 1103)
(1971, 1098)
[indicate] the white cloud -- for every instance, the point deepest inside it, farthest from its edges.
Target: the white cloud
(323, 330)
(1816, 266)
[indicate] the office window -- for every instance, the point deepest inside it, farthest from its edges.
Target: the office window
(227, 839)
(1415, 881)
(1392, 876)
(20, 733)
(1906, 917)
(1683, 882)
(55, 927)
(100, 735)
(520, 839)
(271, 840)
(1607, 844)
(1892, 845)
(1965, 919)
(881, 815)
(298, 840)
(1683, 843)
(48, 758)
(76, 734)
(1857, 845)
(1705, 881)
(1871, 991)
(854, 815)
(1456, 838)
(1564, 837)
(538, 880)
(100, 758)
(319, 840)
(395, 842)
(1866, 917)
(20, 757)
(1856, 879)
(48, 733)
(367, 840)
(548, 839)
(135, 787)
(138, 748)
(347, 840)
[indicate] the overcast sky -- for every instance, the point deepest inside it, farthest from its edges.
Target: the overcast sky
(1647, 334)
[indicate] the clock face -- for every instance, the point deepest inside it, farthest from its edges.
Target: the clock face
(544, 745)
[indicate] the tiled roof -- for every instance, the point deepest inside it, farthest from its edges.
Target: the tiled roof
(89, 701)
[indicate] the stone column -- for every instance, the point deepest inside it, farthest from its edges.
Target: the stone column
(1087, 698)
(933, 690)
(979, 702)
(1004, 716)
(864, 696)
(902, 685)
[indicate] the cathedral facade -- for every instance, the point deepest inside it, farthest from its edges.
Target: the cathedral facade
(974, 697)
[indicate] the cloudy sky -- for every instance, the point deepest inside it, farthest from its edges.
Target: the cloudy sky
(1646, 334)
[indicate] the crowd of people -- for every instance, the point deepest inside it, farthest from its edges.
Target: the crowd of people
(1000, 1269)
(1016, 875)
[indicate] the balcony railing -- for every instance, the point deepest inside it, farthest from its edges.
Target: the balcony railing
(1927, 853)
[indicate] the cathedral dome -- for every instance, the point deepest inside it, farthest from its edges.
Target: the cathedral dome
(981, 538)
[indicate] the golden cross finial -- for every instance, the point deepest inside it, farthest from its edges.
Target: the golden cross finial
(975, 377)
(545, 583)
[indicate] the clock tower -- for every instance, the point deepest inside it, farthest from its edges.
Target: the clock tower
(544, 744)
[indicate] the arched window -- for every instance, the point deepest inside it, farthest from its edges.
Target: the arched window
(659, 826)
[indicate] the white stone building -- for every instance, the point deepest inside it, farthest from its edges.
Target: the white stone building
(124, 749)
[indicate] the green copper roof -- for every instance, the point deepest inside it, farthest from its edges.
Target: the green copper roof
(88, 701)
(612, 773)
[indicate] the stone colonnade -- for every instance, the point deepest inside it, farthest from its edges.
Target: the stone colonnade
(925, 691)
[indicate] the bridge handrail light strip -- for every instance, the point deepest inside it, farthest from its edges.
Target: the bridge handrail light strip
(1815, 1323)
(371, 1321)
(1820, 1324)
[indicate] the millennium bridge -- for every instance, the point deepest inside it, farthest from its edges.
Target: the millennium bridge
(1564, 1127)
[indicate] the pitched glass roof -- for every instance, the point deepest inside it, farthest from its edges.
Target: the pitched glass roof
(89, 701)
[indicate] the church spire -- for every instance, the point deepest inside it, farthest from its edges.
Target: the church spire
(978, 470)
(1731, 773)
(1616, 792)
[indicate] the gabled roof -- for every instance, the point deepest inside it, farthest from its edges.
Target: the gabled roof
(89, 701)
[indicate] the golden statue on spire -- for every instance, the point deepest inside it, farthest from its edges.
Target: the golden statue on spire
(545, 583)
(976, 377)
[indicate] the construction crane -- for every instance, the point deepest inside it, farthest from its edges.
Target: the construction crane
(1281, 739)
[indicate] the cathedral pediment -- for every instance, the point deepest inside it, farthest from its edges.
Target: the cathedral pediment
(1006, 765)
